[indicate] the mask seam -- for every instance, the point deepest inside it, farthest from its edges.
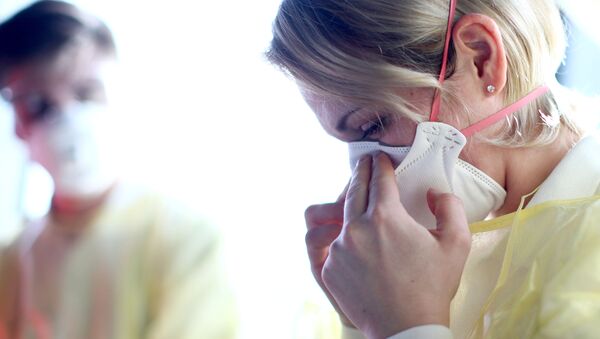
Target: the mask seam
(476, 173)
(374, 147)
(415, 160)
(444, 157)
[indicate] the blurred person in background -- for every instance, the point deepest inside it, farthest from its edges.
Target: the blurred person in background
(109, 260)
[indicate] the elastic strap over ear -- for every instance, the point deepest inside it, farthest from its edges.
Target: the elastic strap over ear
(435, 108)
(494, 118)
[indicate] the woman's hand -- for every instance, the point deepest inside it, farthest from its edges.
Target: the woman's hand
(385, 272)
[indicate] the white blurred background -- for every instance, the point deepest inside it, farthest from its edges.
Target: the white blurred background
(210, 122)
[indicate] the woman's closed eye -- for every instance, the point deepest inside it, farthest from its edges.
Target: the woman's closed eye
(374, 129)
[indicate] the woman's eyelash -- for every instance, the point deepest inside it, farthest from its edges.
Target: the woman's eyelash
(374, 127)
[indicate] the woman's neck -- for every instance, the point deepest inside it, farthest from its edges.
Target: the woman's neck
(528, 167)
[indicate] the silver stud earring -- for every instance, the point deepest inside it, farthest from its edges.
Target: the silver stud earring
(491, 89)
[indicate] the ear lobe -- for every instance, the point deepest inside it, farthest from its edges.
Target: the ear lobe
(480, 50)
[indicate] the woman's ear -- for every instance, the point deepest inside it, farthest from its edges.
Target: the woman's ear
(480, 52)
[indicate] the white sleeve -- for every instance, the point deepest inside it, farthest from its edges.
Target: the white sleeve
(418, 332)
(424, 332)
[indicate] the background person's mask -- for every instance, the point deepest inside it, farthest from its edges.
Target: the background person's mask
(74, 146)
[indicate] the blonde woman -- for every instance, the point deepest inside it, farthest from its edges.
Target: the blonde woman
(473, 207)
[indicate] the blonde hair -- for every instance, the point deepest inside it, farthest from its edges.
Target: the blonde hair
(364, 50)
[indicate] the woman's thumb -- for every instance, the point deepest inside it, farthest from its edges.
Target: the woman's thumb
(452, 224)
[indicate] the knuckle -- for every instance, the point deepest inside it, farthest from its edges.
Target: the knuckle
(451, 200)
(336, 247)
(352, 222)
(378, 215)
(310, 238)
(311, 212)
(350, 238)
(355, 187)
(315, 213)
(321, 236)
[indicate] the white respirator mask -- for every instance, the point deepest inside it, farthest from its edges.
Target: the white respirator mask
(432, 162)
(75, 147)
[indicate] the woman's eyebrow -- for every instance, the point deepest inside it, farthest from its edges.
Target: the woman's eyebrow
(341, 125)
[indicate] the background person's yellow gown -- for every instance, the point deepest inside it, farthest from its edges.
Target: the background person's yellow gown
(145, 268)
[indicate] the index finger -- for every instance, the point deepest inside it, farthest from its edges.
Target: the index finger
(342, 195)
(383, 189)
(358, 190)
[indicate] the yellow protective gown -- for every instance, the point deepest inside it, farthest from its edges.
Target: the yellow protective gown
(534, 273)
(143, 268)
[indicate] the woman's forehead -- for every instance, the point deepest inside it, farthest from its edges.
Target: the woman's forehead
(328, 109)
(327, 105)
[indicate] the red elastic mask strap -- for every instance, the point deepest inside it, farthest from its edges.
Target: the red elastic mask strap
(494, 118)
(435, 108)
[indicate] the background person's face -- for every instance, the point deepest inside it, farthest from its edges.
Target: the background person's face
(63, 117)
(42, 89)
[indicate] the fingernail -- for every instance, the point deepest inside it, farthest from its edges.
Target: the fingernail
(361, 160)
(435, 191)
